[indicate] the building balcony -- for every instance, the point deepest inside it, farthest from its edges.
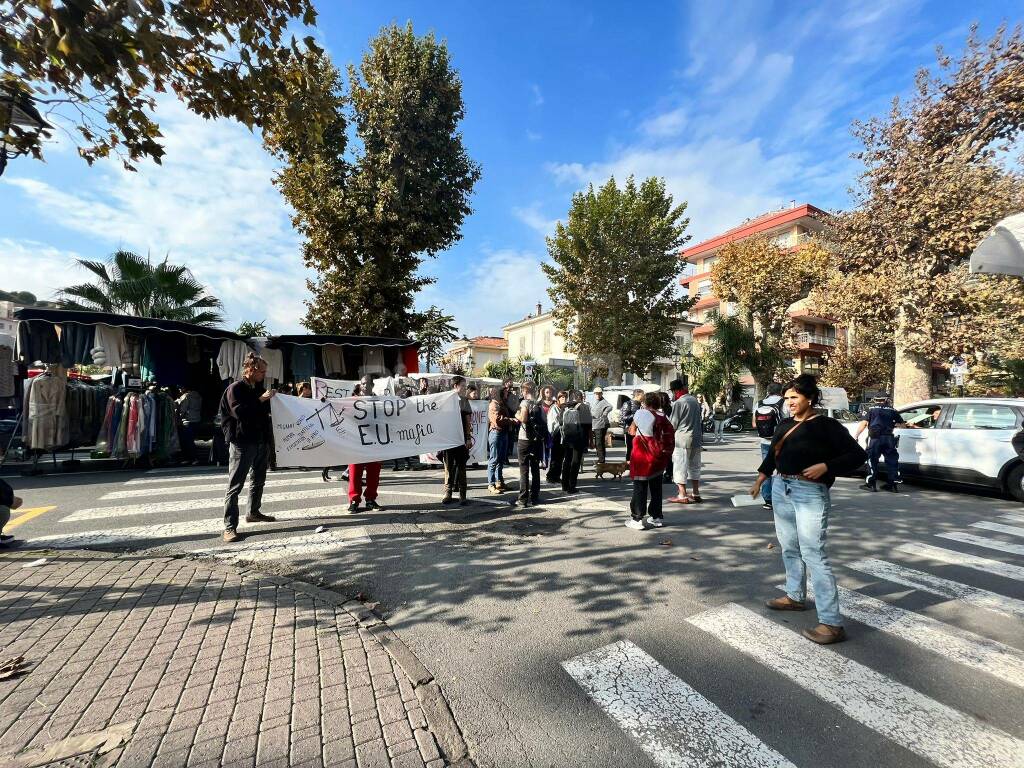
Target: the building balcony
(806, 340)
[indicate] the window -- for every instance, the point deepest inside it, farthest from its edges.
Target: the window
(926, 416)
(784, 240)
(709, 263)
(983, 416)
(547, 343)
(522, 345)
(703, 288)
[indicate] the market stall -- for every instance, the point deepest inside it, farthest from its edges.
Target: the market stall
(300, 357)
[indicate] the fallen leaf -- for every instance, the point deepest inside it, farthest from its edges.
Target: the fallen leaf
(771, 546)
(666, 542)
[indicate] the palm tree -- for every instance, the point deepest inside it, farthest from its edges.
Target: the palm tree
(731, 348)
(129, 284)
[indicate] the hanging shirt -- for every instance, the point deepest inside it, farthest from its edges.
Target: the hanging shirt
(6, 371)
(275, 366)
(334, 360)
(109, 346)
(37, 342)
(303, 363)
(230, 358)
(76, 344)
(373, 361)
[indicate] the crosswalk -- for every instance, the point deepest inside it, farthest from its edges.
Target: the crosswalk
(166, 496)
(677, 724)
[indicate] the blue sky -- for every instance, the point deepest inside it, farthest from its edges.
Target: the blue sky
(740, 106)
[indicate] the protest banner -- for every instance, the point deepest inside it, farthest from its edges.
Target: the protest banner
(356, 430)
(478, 451)
(336, 388)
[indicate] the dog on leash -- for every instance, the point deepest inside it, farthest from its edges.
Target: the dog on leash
(614, 468)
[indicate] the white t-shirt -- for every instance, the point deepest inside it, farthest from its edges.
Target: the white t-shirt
(644, 421)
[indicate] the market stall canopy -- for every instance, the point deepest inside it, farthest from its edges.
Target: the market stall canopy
(1002, 251)
(349, 341)
(61, 316)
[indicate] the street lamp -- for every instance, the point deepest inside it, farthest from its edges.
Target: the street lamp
(18, 118)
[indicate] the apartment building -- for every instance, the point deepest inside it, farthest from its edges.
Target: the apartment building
(790, 227)
(536, 337)
(473, 355)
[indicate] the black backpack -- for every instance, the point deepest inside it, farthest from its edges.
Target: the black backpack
(768, 422)
(572, 429)
(536, 426)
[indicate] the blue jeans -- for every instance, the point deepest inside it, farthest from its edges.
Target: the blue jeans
(801, 524)
(766, 486)
(495, 457)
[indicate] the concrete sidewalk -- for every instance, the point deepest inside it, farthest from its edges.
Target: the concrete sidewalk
(138, 661)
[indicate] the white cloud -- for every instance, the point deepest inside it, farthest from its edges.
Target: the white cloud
(538, 96)
(533, 135)
(498, 288)
(210, 205)
(532, 217)
(665, 125)
(35, 267)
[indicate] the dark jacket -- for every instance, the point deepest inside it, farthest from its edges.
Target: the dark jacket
(6, 494)
(244, 418)
(815, 441)
(1018, 443)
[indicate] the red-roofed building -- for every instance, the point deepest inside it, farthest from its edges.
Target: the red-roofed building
(789, 228)
(471, 355)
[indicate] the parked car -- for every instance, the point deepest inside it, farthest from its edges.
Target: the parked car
(962, 440)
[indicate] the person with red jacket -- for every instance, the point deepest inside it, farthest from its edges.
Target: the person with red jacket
(653, 442)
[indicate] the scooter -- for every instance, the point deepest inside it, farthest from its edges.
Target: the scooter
(739, 421)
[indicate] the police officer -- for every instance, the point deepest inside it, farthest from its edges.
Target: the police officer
(880, 421)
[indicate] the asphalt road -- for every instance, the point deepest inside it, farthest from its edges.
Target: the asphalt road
(563, 638)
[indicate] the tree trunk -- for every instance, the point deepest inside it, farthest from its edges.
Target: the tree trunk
(615, 372)
(913, 371)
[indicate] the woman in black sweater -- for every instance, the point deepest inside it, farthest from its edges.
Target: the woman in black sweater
(808, 451)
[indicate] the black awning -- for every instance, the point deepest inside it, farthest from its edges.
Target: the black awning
(348, 341)
(61, 316)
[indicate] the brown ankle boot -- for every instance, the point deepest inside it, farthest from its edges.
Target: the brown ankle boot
(825, 634)
(785, 603)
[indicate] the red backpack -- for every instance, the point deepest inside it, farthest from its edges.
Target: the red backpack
(665, 438)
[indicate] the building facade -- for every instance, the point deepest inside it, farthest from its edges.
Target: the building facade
(473, 355)
(789, 228)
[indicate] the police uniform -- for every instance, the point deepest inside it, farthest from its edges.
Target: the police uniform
(882, 420)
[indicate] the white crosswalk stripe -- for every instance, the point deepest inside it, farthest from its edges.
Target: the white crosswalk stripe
(973, 596)
(953, 557)
(926, 727)
(953, 643)
(178, 530)
(221, 486)
(1013, 518)
(257, 550)
(1013, 530)
(189, 505)
(672, 723)
(982, 541)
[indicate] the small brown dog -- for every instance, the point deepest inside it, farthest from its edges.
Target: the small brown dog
(614, 468)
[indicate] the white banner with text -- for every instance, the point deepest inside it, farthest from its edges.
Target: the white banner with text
(309, 432)
(336, 388)
(478, 450)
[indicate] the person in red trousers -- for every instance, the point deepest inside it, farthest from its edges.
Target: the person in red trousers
(372, 470)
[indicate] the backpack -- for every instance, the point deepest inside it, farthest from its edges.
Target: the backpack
(572, 429)
(767, 421)
(665, 437)
(536, 426)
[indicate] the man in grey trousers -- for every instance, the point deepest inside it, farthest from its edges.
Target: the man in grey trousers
(245, 419)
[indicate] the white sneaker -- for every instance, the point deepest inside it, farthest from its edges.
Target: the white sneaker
(654, 522)
(636, 525)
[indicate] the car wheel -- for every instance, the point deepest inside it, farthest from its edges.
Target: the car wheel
(1015, 482)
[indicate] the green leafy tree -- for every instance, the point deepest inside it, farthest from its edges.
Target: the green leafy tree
(515, 369)
(252, 330)
(615, 274)
(370, 216)
(95, 66)
(129, 284)
(434, 332)
(859, 368)
(939, 171)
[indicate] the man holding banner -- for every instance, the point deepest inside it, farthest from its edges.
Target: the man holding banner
(454, 459)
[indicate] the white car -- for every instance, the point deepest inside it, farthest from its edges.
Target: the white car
(962, 440)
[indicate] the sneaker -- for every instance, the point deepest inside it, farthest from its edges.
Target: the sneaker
(493, 490)
(447, 499)
(231, 535)
(353, 507)
(5, 537)
(636, 525)
(373, 505)
(656, 522)
(259, 517)
(867, 487)
(768, 505)
(519, 504)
